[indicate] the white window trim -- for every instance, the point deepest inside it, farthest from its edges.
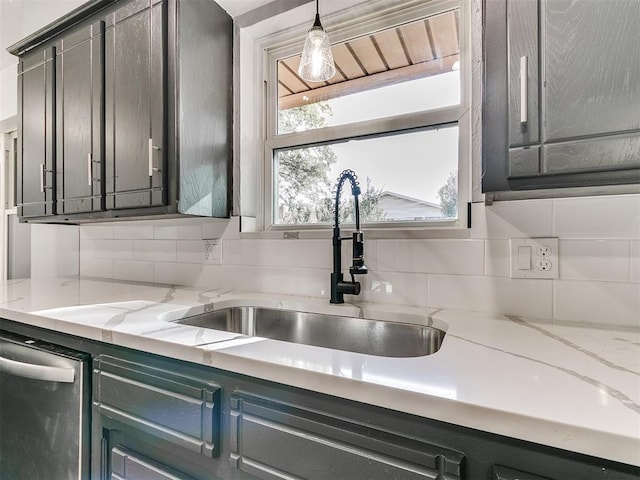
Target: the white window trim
(256, 138)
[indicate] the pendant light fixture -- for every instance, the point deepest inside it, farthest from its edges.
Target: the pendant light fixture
(316, 64)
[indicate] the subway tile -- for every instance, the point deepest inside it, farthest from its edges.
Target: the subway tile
(598, 302)
(606, 260)
(597, 217)
(395, 288)
(455, 257)
(154, 250)
(114, 249)
(133, 270)
(178, 229)
(279, 280)
(96, 232)
(276, 253)
(230, 277)
(313, 253)
(95, 267)
(497, 259)
(187, 274)
(133, 230)
(530, 298)
(635, 261)
(513, 219)
(313, 282)
(213, 228)
(189, 251)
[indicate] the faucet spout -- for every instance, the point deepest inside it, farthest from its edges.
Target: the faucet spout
(340, 287)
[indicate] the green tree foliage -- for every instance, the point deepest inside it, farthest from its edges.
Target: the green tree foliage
(448, 194)
(306, 194)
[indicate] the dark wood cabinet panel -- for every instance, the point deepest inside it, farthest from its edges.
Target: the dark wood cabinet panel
(36, 134)
(265, 433)
(561, 94)
(135, 106)
(79, 120)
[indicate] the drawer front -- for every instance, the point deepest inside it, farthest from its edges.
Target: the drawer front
(126, 465)
(176, 408)
(271, 440)
(504, 473)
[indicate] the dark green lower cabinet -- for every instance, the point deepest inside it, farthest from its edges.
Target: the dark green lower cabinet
(502, 473)
(272, 439)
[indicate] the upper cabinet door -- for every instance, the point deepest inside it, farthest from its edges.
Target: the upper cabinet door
(135, 105)
(79, 119)
(568, 75)
(35, 179)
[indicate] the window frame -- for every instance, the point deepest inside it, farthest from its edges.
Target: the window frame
(342, 26)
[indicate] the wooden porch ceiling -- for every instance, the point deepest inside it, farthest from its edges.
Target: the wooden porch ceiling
(414, 50)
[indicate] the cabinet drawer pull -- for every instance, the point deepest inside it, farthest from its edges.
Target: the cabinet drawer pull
(42, 178)
(523, 89)
(89, 169)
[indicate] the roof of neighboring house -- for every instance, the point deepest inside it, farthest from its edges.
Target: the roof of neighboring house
(409, 199)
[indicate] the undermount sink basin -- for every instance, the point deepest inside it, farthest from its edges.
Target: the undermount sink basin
(360, 335)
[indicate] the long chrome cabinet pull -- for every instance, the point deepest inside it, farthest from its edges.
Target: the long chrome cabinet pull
(42, 178)
(37, 372)
(151, 157)
(89, 169)
(524, 80)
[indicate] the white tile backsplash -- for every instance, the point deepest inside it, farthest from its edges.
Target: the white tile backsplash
(531, 298)
(133, 270)
(599, 260)
(606, 260)
(514, 219)
(154, 250)
(54, 250)
(597, 217)
(599, 302)
(634, 265)
(459, 257)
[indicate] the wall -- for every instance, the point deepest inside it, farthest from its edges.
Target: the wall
(599, 260)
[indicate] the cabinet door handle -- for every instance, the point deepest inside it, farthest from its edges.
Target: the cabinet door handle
(42, 178)
(37, 372)
(89, 169)
(151, 157)
(523, 89)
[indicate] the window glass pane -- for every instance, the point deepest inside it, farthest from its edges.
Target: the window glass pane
(404, 69)
(408, 176)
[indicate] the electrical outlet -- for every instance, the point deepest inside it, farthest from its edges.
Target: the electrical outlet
(534, 258)
(212, 252)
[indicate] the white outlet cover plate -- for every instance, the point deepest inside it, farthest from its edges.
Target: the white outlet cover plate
(537, 246)
(212, 252)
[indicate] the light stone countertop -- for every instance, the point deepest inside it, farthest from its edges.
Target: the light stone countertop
(573, 387)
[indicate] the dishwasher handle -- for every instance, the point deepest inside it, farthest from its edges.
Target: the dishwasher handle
(37, 372)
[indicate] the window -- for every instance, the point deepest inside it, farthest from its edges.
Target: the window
(396, 113)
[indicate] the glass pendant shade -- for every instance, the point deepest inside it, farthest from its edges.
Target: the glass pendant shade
(316, 64)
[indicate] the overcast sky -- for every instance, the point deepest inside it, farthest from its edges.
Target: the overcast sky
(415, 164)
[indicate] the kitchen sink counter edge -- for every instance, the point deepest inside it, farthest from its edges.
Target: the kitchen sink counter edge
(569, 386)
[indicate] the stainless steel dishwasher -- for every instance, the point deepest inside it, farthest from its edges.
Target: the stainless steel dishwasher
(44, 410)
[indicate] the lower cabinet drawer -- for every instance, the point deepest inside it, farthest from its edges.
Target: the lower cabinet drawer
(275, 440)
(175, 408)
(128, 465)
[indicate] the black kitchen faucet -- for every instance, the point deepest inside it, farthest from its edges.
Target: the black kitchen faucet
(338, 285)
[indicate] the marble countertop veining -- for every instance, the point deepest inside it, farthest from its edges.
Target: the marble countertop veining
(573, 387)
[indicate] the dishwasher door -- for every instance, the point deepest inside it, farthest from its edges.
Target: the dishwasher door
(44, 410)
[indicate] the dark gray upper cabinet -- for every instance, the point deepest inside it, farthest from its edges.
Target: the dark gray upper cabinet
(35, 179)
(135, 105)
(142, 95)
(561, 94)
(79, 120)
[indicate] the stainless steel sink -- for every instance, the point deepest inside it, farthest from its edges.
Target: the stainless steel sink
(373, 337)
